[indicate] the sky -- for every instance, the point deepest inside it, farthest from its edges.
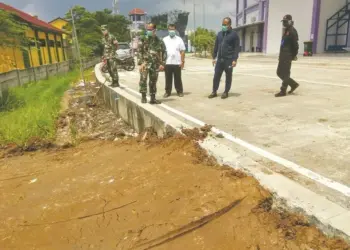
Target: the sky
(215, 10)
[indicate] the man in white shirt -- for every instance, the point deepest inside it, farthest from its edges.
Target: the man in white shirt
(175, 61)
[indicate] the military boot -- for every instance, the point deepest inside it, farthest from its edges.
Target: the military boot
(144, 98)
(115, 84)
(154, 100)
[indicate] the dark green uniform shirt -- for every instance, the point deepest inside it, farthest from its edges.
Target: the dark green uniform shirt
(109, 43)
(151, 51)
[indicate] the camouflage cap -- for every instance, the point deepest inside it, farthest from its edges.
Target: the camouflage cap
(104, 27)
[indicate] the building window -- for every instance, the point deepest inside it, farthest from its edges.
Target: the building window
(51, 43)
(32, 43)
(42, 42)
(58, 44)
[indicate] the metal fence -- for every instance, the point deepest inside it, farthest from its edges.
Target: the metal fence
(19, 77)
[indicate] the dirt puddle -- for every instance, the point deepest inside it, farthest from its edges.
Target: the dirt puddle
(138, 193)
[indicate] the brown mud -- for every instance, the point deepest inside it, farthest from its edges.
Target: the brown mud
(117, 190)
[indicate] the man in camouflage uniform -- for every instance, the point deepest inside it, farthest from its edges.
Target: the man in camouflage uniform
(110, 46)
(151, 59)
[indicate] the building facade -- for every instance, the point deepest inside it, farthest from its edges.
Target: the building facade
(61, 23)
(324, 22)
(45, 46)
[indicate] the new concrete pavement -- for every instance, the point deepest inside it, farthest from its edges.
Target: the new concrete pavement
(309, 129)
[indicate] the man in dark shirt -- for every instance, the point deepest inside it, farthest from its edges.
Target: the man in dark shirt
(288, 53)
(225, 56)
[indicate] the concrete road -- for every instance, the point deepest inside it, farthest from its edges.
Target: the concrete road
(310, 128)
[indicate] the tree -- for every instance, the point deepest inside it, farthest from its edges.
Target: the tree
(12, 31)
(88, 28)
(161, 20)
(118, 25)
(203, 40)
(177, 17)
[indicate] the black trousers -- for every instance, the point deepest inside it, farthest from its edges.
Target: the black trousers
(220, 67)
(283, 72)
(173, 71)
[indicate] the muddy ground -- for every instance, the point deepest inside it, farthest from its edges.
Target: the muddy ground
(109, 188)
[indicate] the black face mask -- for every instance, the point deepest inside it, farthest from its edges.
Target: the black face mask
(285, 23)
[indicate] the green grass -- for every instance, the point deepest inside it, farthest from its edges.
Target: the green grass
(31, 111)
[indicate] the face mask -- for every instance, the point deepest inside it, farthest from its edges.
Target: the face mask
(285, 24)
(172, 33)
(149, 33)
(224, 28)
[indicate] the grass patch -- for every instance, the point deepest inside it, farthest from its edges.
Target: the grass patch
(31, 111)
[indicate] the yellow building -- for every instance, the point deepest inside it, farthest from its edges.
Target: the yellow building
(45, 47)
(61, 24)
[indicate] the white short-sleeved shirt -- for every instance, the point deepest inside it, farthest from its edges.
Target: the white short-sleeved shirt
(174, 46)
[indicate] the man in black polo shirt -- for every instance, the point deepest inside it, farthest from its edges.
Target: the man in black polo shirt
(225, 56)
(288, 53)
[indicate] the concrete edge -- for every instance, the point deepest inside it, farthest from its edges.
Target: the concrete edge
(288, 194)
(326, 215)
(139, 116)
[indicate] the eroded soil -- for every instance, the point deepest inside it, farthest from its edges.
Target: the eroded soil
(126, 192)
(135, 195)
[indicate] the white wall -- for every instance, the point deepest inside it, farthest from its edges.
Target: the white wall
(240, 21)
(251, 2)
(240, 6)
(328, 8)
(251, 15)
(301, 11)
(249, 30)
(239, 33)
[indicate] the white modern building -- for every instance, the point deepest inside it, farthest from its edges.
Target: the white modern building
(325, 22)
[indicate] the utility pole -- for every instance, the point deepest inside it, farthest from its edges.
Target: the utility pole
(194, 25)
(115, 7)
(77, 46)
(78, 52)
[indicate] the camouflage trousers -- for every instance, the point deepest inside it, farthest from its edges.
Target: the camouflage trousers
(112, 69)
(153, 78)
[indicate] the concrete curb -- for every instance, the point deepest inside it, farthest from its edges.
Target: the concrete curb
(328, 216)
(128, 107)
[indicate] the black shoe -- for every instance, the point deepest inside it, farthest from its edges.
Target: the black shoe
(166, 95)
(224, 95)
(154, 100)
(212, 95)
(293, 88)
(180, 94)
(280, 94)
(143, 98)
(115, 85)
